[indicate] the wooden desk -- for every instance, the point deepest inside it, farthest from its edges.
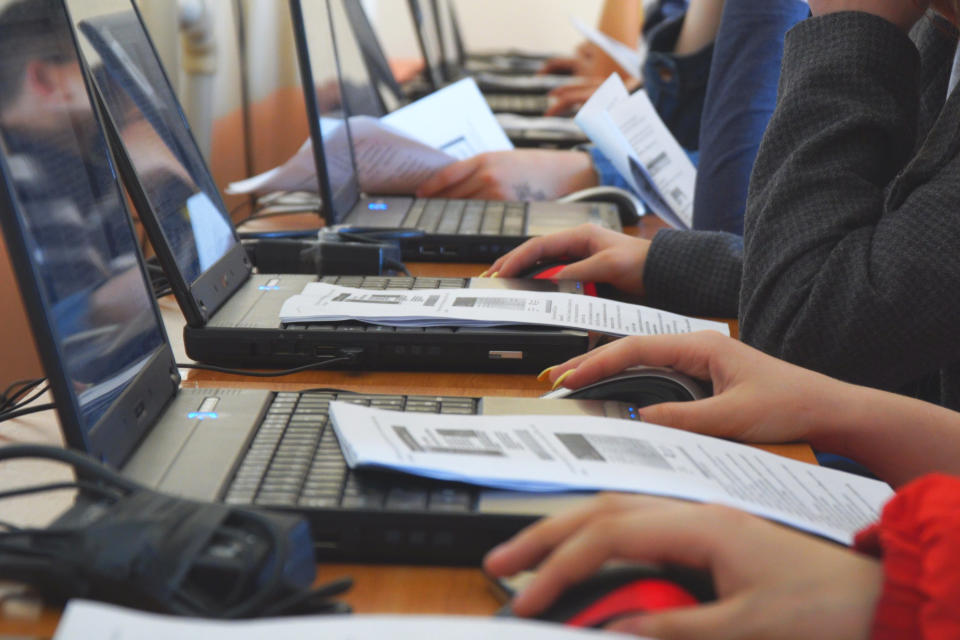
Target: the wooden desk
(378, 589)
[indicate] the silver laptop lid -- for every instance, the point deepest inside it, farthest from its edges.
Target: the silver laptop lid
(70, 236)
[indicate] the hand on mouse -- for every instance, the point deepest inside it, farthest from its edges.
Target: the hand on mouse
(771, 582)
(760, 399)
(521, 174)
(596, 255)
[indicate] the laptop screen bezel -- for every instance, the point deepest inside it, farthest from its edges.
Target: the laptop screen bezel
(433, 68)
(115, 435)
(333, 212)
(200, 299)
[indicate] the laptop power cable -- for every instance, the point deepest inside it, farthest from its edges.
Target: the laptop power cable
(123, 543)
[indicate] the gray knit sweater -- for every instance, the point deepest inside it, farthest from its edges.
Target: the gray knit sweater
(848, 263)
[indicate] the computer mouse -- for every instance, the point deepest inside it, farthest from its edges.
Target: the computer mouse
(628, 205)
(617, 592)
(546, 270)
(640, 386)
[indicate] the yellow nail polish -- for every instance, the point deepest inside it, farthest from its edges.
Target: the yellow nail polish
(494, 274)
(543, 375)
(563, 377)
(484, 274)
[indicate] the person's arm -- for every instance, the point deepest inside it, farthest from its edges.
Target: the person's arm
(850, 262)
(760, 399)
(622, 20)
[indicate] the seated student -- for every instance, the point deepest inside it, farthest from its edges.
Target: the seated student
(901, 580)
(847, 265)
(734, 106)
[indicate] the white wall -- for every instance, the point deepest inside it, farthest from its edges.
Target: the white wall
(535, 25)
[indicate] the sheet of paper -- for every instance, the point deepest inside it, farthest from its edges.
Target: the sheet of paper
(630, 60)
(398, 152)
(564, 453)
(322, 302)
(665, 161)
(456, 120)
(84, 619)
(626, 126)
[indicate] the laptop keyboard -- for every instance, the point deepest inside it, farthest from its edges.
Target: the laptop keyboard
(295, 461)
(517, 103)
(467, 217)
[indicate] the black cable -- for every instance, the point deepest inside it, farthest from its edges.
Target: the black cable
(27, 401)
(9, 398)
(269, 374)
(18, 413)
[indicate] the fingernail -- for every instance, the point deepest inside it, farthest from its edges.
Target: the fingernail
(545, 373)
(494, 274)
(563, 377)
(484, 274)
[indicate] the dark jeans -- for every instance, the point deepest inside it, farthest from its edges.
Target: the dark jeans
(740, 97)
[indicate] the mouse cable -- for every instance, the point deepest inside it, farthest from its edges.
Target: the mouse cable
(348, 357)
(10, 398)
(19, 413)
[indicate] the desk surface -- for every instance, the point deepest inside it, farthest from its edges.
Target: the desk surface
(378, 589)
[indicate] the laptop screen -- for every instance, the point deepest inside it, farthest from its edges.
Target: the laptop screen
(65, 219)
(155, 135)
(378, 67)
(425, 23)
(445, 32)
(326, 106)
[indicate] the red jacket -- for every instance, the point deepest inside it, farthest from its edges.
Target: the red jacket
(918, 537)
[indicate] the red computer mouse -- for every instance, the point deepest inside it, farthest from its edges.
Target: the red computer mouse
(549, 271)
(618, 592)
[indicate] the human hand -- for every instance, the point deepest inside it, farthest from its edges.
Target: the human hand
(576, 65)
(598, 255)
(522, 174)
(902, 13)
(756, 398)
(771, 582)
(571, 97)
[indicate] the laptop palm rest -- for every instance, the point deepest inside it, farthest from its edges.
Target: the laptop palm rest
(192, 449)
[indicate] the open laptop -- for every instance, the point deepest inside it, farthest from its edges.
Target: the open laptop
(355, 32)
(452, 230)
(504, 93)
(116, 385)
(232, 314)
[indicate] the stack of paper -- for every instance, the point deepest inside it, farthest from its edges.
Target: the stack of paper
(322, 302)
(399, 151)
(578, 453)
(626, 128)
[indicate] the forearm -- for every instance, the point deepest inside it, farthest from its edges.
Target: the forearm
(898, 438)
(699, 27)
(622, 20)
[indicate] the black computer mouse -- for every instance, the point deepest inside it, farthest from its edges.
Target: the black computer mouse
(639, 386)
(617, 592)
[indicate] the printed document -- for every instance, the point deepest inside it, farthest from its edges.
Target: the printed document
(627, 127)
(578, 453)
(630, 60)
(322, 302)
(393, 154)
(84, 619)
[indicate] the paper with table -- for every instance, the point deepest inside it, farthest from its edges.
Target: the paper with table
(322, 302)
(626, 127)
(570, 453)
(397, 152)
(84, 619)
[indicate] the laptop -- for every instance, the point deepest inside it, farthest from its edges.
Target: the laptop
(355, 32)
(504, 94)
(447, 230)
(508, 62)
(233, 314)
(116, 385)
